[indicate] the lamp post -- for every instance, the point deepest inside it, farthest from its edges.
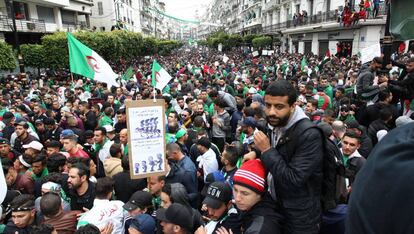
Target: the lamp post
(16, 36)
(387, 42)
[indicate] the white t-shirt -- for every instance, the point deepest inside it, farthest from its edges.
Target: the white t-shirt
(104, 212)
(208, 162)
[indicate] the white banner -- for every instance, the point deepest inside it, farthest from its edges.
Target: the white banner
(370, 52)
(255, 53)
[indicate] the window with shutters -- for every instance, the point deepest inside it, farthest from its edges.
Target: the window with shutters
(100, 8)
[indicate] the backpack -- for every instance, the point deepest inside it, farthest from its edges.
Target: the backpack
(332, 163)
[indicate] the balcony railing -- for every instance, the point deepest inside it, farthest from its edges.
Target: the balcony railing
(330, 16)
(23, 25)
(71, 26)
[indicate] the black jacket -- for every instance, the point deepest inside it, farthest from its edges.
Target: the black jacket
(374, 127)
(91, 121)
(381, 200)
(366, 145)
(261, 219)
(125, 186)
(297, 177)
(365, 84)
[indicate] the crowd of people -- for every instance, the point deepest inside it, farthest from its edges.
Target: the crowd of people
(263, 144)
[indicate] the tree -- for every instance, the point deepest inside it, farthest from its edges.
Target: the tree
(7, 59)
(33, 56)
(247, 39)
(263, 41)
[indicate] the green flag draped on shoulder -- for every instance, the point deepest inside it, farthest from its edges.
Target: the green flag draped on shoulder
(402, 19)
(160, 76)
(86, 62)
(303, 64)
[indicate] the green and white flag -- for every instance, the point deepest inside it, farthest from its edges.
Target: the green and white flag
(128, 74)
(160, 76)
(86, 62)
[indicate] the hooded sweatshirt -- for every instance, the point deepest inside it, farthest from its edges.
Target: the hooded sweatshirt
(112, 166)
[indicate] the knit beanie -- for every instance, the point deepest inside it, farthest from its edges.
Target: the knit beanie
(252, 175)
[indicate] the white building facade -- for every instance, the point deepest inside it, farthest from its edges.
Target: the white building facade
(320, 31)
(44, 16)
(132, 15)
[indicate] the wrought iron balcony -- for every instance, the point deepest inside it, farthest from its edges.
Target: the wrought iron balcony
(22, 25)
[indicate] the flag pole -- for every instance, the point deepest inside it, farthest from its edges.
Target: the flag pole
(153, 81)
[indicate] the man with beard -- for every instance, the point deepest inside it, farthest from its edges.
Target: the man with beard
(294, 163)
(226, 88)
(81, 190)
(38, 113)
(23, 136)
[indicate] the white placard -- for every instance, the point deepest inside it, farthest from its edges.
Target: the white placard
(225, 58)
(220, 47)
(255, 53)
(264, 52)
(146, 142)
(270, 52)
(370, 52)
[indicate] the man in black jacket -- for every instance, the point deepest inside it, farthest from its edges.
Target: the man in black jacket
(365, 84)
(294, 165)
(405, 88)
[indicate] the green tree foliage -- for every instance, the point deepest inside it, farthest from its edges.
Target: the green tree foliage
(7, 59)
(33, 55)
(227, 40)
(262, 41)
(112, 46)
(248, 38)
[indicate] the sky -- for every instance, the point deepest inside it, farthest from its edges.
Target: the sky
(185, 9)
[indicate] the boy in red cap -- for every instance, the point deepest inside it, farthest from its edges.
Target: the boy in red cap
(249, 188)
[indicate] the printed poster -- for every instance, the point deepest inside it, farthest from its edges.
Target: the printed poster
(146, 142)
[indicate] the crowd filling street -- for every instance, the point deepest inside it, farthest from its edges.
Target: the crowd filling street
(281, 143)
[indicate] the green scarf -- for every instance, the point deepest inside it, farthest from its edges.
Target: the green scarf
(97, 147)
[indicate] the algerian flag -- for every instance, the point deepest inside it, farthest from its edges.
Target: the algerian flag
(128, 74)
(303, 64)
(3, 185)
(160, 77)
(86, 62)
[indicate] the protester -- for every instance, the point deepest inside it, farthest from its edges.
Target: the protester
(70, 132)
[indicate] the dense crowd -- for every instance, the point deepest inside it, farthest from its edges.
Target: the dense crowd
(266, 144)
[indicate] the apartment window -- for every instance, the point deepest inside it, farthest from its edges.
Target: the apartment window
(100, 8)
(21, 11)
(68, 17)
(46, 14)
